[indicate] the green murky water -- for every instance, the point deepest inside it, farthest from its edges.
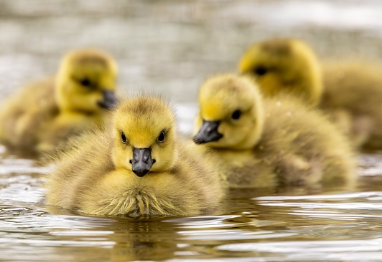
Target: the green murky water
(169, 47)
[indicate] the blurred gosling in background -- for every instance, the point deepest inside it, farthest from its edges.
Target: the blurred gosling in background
(266, 142)
(351, 93)
(135, 168)
(45, 114)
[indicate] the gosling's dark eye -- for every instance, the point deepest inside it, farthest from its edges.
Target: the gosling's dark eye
(236, 115)
(162, 136)
(260, 70)
(123, 138)
(85, 82)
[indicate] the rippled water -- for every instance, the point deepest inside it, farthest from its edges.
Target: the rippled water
(169, 47)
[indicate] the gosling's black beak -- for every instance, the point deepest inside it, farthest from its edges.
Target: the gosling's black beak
(208, 132)
(109, 100)
(142, 161)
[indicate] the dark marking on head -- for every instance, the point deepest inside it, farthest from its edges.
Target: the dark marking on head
(92, 60)
(232, 85)
(279, 47)
(145, 106)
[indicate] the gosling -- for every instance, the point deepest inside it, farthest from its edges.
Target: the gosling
(44, 115)
(291, 66)
(268, 142)
(135, 168)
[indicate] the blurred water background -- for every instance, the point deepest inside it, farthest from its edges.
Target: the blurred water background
(170, 47)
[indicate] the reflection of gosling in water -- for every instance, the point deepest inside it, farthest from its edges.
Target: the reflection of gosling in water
(138, 167)
(350, 93)
(268, 142)
(44, 115)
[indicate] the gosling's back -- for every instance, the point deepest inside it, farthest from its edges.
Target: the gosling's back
(26, 112)
(356, 88)
(294, 135)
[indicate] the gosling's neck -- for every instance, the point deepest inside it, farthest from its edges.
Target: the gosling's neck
(311, 75)
(313, 84)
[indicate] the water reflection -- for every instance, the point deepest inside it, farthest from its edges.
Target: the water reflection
(262, 224)
(118, 240)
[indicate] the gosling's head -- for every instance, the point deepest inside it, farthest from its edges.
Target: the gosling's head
(230, 113)
(144, 132)
(284, 65)
(86, 81)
